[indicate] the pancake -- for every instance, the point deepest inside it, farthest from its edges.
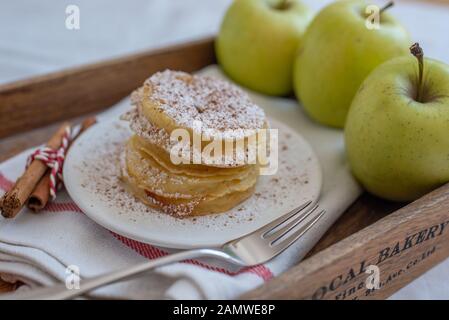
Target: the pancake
(151, 176)
(173, 100)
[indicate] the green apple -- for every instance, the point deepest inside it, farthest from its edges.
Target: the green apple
(339, 50)
(397, 129)
(258, 40)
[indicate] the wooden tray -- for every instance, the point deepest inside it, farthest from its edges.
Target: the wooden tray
(402, 240)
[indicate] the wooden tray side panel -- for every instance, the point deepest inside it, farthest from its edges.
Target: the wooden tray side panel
(42, 100)
(402, 245)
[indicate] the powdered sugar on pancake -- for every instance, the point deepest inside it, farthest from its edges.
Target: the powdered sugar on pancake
(144, 128)
(218, 104)
(224, 111)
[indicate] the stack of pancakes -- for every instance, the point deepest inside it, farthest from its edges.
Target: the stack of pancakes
(173, 100)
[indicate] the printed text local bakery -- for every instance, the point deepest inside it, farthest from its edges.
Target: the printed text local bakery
(352, 284)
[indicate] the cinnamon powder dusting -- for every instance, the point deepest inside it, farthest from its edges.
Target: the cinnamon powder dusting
(216, 103)
(101, 175)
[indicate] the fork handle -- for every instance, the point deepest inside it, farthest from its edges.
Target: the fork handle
(60, 291)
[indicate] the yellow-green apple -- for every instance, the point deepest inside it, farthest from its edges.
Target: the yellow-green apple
(397, 129)
(258, 40)
(340, 48)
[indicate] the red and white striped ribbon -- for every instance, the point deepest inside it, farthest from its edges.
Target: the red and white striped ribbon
(54, 159)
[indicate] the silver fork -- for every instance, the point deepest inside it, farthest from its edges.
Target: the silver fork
(252, 249)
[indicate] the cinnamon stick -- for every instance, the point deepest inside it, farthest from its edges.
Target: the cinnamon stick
(41, 194)
(13, 201)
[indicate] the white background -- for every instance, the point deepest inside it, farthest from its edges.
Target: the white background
(34, 40)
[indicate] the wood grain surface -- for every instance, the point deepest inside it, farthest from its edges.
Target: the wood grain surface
(31, 110)
(39, 101)
(402, 245)
(367, 210)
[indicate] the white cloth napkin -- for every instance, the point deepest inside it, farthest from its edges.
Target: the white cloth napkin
(37, 249)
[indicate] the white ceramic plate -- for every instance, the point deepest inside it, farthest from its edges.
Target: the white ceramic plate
(91, 174)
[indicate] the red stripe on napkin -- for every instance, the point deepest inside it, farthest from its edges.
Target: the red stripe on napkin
(5, 183)
(62, 206)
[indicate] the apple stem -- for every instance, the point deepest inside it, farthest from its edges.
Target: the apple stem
(418, 52)
(386, 7)
(284, 4)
